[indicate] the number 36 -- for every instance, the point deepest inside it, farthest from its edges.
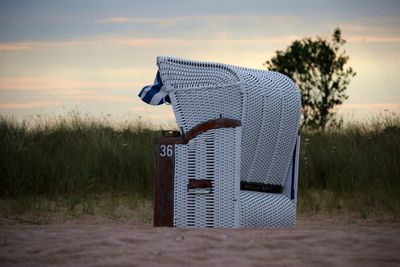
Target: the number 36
(166, 150)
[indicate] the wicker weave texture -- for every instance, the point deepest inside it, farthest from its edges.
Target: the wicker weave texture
(215, 156)
(193, 107)
(266, 210)
(267, 103)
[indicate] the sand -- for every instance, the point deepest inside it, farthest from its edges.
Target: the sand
(314, 242)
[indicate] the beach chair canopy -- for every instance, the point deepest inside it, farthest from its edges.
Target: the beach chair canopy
(269, 112)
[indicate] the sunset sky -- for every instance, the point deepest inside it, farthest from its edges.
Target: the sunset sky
(95, 56)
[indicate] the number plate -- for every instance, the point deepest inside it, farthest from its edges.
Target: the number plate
(166, 151)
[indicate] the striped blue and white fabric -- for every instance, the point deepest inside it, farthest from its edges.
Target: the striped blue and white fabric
(155, 94)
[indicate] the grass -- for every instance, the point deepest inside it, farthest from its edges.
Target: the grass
(105, 207)
(75, 164)
(355, 168)
(79, 165)
(75, 156)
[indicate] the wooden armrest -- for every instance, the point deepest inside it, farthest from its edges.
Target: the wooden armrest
(199, 129)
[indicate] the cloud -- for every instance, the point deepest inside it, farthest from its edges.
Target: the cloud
(90, 96)
(183, 42)
(161, 22)
(129, 72)
(101, 98)
(15, 46)
(204, 19)
(58, 98)
(137, 42)
(373, 38)
(370, 106)
(373, 24)
(43, 84)
(29, 105)
(138, 109)
(368, 29)
(202, 42)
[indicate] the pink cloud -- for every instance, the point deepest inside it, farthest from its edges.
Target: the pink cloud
(204, 42)
(369, 106)
(101, 98)
(85, 95)
(374, 38)
(15, 46)
(67, 97)
(138, 109)
(28, 105)
(162, 22)
(33, 83)
(146, 42)
(205, 19)
(142, 42)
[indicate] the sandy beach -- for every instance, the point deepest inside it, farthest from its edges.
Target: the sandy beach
(316, 241)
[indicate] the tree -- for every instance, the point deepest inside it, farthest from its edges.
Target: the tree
(318, 68)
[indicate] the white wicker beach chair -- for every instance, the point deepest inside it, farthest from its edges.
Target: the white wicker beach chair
(260, 156)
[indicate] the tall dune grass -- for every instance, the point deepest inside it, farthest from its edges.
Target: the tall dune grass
(356, 167)
(75, 155)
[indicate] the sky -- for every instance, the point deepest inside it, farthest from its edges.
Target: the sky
(95, 56)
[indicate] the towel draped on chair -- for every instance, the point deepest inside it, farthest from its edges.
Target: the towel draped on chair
(155, 94)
